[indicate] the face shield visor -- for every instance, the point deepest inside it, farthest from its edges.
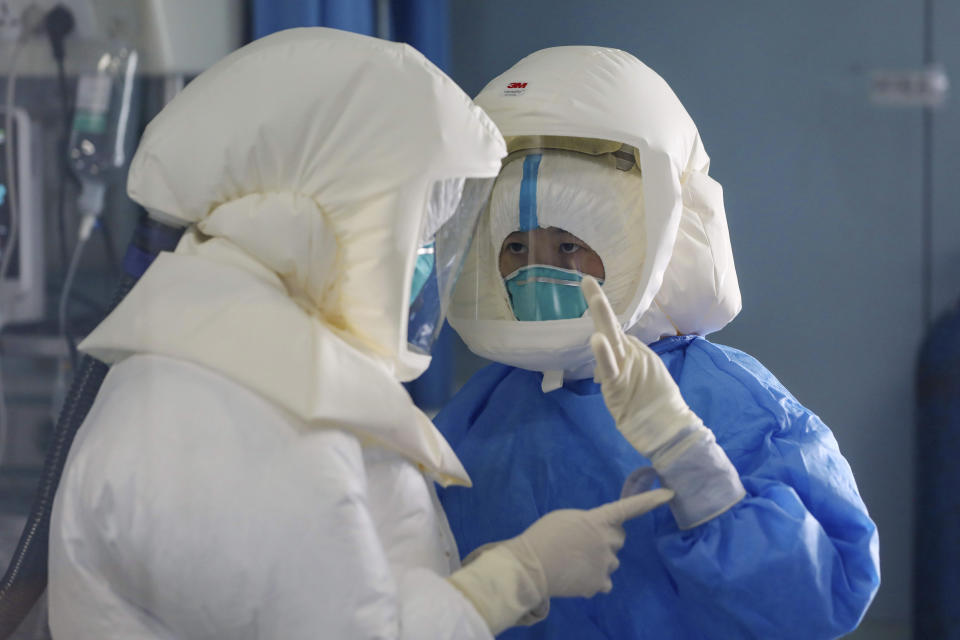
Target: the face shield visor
(453, 208)
(561, 209)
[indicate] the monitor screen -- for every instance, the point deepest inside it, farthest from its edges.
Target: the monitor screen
(5, 213)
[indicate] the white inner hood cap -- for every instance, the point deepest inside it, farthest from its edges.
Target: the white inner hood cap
(687, 282)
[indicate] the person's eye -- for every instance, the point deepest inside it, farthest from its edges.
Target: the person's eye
(516, 248)
(569, 247)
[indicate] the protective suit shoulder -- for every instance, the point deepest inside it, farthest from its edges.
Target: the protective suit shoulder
(722, 382)
(737, 359)
(739, 365)
(161, 406)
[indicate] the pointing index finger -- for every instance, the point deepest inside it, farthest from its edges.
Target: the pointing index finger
(604, 319)
(620, 511)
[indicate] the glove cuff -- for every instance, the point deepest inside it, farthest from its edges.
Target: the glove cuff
(701, 475)
(506, 585)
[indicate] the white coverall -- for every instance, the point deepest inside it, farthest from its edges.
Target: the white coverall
(251, 467)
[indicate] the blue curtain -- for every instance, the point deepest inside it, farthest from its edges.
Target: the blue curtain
(268, 16)
(425, 25)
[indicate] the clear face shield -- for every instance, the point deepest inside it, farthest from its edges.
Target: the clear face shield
(561, 209)
(453, 209)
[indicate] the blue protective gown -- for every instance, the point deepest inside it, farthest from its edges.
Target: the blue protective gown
(796, 558)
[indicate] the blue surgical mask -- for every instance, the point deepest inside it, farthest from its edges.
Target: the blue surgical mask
(421, 270)
(543, 292)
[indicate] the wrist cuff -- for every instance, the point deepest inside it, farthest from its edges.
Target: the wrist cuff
(701, 475)
(504, 588)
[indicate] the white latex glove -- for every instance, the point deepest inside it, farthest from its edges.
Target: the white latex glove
(652, 415)
(566, 553)
(577, 549)
(640, 393)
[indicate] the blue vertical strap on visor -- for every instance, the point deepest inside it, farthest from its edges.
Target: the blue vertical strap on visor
(528, 192)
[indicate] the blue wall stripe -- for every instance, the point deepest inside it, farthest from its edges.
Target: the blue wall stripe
(528, 192)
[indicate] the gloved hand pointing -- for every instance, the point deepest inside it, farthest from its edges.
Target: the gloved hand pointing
(642, 397)
(566, 553)
(652, 415)
(577, 549)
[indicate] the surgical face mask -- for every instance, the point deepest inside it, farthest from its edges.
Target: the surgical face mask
(422, 270)
(542, 269)
(544, 292)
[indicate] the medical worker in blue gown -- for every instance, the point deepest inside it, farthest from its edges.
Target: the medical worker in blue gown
(605, 192)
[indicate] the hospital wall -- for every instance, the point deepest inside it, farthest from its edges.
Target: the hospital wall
(824, 192)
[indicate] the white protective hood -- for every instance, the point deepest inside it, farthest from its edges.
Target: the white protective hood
(688, 283)
(304, 162)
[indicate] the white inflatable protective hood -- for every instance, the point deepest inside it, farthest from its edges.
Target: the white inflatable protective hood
(305, 163)
(688, 283)
(288, 123)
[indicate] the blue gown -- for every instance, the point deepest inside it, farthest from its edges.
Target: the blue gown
(796, 558)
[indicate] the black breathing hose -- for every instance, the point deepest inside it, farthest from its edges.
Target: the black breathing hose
(26, 576)
(59, 23)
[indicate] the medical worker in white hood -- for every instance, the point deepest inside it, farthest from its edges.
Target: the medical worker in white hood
(252, 467)
(605, 253)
